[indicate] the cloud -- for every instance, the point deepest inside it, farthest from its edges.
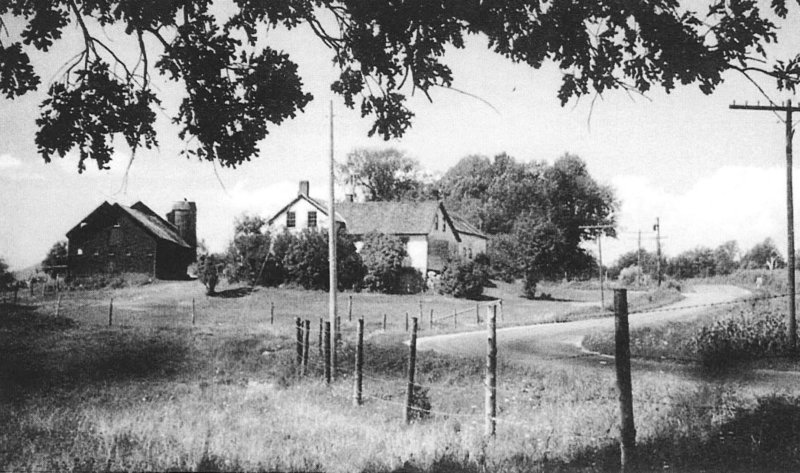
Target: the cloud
(14, 169)
(742, 203)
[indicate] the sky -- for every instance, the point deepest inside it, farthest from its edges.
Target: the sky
(710, 174)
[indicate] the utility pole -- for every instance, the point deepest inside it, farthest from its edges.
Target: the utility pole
(333, 280)
(599, 257)
(788, 108)
(657, 229)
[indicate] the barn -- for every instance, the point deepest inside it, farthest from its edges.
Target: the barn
(116, 239)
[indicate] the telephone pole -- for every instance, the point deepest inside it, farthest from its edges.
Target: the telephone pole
(788, 109)
(657, 229)
(333, 280)
(600, 258)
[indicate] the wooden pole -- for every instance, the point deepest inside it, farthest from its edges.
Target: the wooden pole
(406, 321)
(58, 304)
(327, 342)
(306, 343)
(271, 313)
(332, 276)
(350, 308)
(502, 317)
(477, 314)
(623, 366)
(194, 313)
(421, 317)
(298, 325)
(491, 372)
(412, 365)
(319, 342)
(384, 322)
(110, 311)
(338, 330)
(359, 364)
(431, 319)
(790, 230)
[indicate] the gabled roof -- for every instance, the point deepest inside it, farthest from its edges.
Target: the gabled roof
(320, 205)
(463, 226)
(141, 214)
(397, 218)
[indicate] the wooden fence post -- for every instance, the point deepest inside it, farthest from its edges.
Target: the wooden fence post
(412, 365)
(431, 319)
(421, 317)
(194, 313)
(327, 342)
(319, 342)
(477, 314)
(406, 321)
(502, 317)
(384, 322)
(298, 325)
(58, 304)
(110, 311)
(271, 313)
(359, 364)
(623, 365)
(338, 337)
(350, 308)
(491, 372)
(306, 343)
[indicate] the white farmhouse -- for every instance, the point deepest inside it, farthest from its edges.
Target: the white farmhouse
(426, 228)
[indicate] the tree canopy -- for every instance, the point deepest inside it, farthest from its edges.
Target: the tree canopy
(383, 174)
(238, 87)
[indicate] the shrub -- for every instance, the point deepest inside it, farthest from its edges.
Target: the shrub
(383, 257)
(208, 272)
(409, 281)
(531, 280)
(248, 251)
(305, 260)
(630, 276)
(462, 279)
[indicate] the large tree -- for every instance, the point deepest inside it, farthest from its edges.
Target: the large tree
(55, 263)
(383, 174)
(238, 87)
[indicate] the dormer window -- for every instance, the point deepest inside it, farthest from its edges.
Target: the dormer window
(290, 220)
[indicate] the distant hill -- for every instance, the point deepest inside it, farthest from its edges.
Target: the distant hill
(25, 273)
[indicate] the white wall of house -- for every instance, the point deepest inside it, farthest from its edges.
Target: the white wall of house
(301, 210)
(417, 248)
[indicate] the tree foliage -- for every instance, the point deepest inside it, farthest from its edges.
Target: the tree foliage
(462, 278)
(56, 257)
(383, 175)
(6, 277)
(764, 255)
(248, 252)
(305, 260)
(383, 257)
(238, 87)
(208, 269)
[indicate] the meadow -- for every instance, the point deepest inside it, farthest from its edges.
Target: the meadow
(152, 392)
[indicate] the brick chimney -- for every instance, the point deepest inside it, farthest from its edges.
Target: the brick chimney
(304, 188)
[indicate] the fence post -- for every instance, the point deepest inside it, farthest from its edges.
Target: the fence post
(338, 339)
(477, 314)
(431, 319)
(327, 342)
(412, 365)
(359, 364)
(298, 324)
(350, 308)
(502, 317)
(306, 343)
(194, 314)
(455, 318)
(406, 321)
(623, 365)
(271, 313)
(110, 310)
(421, 317)
(491, 371)
(384, 322)
(58, 304)
(319, 342)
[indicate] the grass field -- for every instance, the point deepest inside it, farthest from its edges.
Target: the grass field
(154, 393)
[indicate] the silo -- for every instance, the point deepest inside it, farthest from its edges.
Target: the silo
(184, 216)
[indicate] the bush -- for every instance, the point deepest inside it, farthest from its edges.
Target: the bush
(630, 276)
(208, 272)
(739, 337)
(305, 260)
(383, 257)
(531, 280)
(463, 279)
(409, 281)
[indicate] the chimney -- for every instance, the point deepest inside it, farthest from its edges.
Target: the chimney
(304, 188)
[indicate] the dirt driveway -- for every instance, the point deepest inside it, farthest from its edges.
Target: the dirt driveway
(557, 340)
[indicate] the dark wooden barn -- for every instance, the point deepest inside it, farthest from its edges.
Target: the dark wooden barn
(116, 239)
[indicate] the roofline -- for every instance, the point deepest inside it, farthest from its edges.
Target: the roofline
(308, 199)
(449, 220)
(152, 213)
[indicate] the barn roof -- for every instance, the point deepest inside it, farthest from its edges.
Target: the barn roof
(147, 219)
(398, 218)
(463, 226)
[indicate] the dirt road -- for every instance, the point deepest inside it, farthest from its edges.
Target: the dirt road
(564, 339)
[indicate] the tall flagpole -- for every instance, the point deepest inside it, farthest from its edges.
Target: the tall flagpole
(332, 260)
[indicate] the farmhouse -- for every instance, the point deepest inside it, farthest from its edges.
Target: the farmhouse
(473, 241)
(115, 239)
(426, 228)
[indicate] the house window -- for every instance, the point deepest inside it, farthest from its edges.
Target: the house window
(436, 222)
(290, 219)
(312, 219)
(80, 252)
